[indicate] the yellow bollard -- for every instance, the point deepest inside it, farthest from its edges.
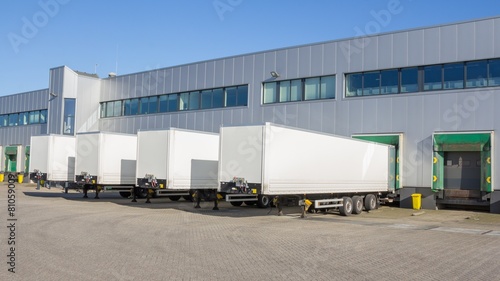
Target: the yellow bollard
(1, 177)
(20, 178)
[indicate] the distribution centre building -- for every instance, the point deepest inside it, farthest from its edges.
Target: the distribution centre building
(431, 92)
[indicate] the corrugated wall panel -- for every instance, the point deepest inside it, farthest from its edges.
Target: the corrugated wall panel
(415, 47)
(448, 42)
(316, 119)
(385, 52)
(228, 77)
(219, 73)
(304, 61)
(317, 60)
(400, 49)
(329, 59)
(432, 49)
(370, 57)
(484, 42)
(465, 42)
(496, 39)
(369, 115)
(384, 115)
(238, 71)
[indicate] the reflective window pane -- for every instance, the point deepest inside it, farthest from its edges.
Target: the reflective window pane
(354, 85)
(153, 104)
(371, 83)
(134, 106)
(69, 116)
(409, 80)
(183, 101)
(2, 120)
(43, 116)
(270, 91)
(13, 119)
(477, 74)
(144, 107)
(242, 99)
(194, 100)
(311, 88)
(433, 78)
(389, 81)
(103, 110)
(453, 76)
(206, 99)
(494, 72)
(231, 96)
(172, 102)
(217, 98)
(327, 87)
(109, 109)
(163, 103)
(117, 108)
(126, 107)
(284, 91)
(296, 90)
(34, 117)
(23, 118)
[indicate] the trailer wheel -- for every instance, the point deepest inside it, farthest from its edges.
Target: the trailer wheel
(142, 193)
(188, 198)
(174, 198)
(250, 203)
(263, 201)
(357, 203)
(125, 194)
(346, 208)
(370, 202)
(237, 203)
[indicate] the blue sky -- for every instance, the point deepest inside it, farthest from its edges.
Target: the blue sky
(133, 36)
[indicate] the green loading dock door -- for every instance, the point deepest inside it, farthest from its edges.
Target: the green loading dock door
(27, 160)
(11, 159)
(462, 161)
(391, 139)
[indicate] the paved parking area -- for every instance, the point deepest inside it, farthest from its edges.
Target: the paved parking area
(64, 237)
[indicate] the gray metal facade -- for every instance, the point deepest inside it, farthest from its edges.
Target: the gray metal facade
(416, 115)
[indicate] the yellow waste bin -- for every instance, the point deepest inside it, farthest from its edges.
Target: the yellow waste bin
(20, 178)
(416, 199)
(1, 177)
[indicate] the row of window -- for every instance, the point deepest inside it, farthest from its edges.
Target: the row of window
(313, 88)
(24, 118)
(472, 74)
(194, 100)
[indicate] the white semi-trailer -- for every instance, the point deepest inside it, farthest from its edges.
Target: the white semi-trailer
(52, 159)
(106, 161)
(261, 163)
(177, 162)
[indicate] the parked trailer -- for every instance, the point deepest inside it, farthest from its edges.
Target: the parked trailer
(106, 161)
(52, 159)
(177, 162)
(324, 171)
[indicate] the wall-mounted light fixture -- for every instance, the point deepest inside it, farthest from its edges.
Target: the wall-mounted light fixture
(53, 94)
(275, 74)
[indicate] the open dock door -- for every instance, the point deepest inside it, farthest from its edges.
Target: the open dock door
(461, 164)
(391, 139)
(12, 158)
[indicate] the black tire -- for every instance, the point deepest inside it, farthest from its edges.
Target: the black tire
(250, 203)
(175, 197)
(125, 194)
(263, 201)
(357, 204)
(370, 202)
(188, 198)
(237, 203)
(347, 206)
(142, 193)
